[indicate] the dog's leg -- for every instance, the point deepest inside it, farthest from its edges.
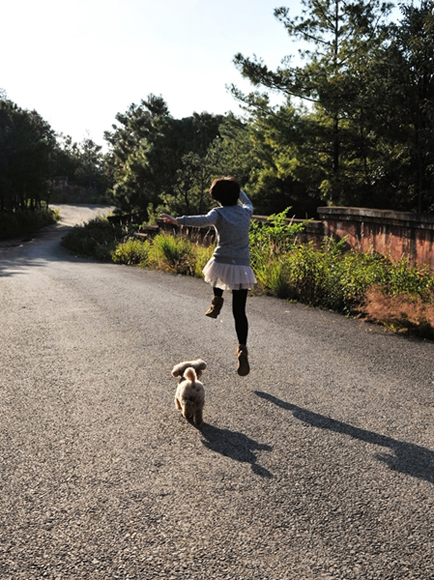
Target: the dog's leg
(177, 403)
(188, 410)
(198, 418)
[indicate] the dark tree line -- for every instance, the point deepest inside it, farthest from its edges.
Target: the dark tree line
(26, 142)
(32, 155)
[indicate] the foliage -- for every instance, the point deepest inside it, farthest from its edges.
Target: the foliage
(26, 146)
(97, 238)
(344, 281)
(20, 223)
(405, 106)
(396, 294)
(354, 126)
(268, 241)
(132, 252)
(172, 254)
(156, 160)
(84, 167)
(275, 235)
(367, 127)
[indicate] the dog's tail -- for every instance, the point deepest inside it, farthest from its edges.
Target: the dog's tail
(190, 374)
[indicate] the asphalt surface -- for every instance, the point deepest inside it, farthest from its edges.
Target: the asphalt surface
(318, 465)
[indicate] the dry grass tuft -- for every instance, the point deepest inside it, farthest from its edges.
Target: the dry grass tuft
(404, 313)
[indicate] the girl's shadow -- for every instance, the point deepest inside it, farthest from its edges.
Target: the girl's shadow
(407, 458)
(236, 446)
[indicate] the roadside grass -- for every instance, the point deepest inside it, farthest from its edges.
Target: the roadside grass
(19, 223)
(132, 252)
(396, 295)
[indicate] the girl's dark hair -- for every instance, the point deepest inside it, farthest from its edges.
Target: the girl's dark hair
(225, 190)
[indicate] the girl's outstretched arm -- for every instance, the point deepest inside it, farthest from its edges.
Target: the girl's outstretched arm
(245, 201)
(168, 218)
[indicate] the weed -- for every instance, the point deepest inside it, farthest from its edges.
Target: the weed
(172, 254)
(397, 295)
(132, 252)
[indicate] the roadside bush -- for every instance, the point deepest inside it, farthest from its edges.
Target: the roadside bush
(97, 238)
(201, 255)
(357, 273)
(19, 223)
(172, 254)
(132, 252)
(404, 278)
(398, 295)
(314, 275)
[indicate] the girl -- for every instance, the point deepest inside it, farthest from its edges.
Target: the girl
(229, 268)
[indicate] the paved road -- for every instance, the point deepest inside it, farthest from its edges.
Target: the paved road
(318, 465)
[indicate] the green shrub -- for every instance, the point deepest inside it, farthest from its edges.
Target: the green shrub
(273, 276)
(201, 255)
(271, 239)
(399, 295)
(313, 276)
(97, 238)
(404, 278)
(132, 252)
(172, 254)
(357, 273)
(15, 224)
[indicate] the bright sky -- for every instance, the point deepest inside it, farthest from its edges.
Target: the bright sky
(80, 62)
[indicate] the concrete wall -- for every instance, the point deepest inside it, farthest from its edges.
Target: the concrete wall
(391, 233)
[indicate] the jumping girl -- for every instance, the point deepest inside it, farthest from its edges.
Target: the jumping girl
(229, 268)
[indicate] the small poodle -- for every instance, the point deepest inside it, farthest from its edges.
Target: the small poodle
(190, 394)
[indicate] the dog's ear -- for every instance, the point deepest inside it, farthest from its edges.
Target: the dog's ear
(200, 367)
(178, 370)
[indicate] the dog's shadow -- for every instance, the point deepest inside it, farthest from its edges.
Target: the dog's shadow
(235, 445)
(407, 458)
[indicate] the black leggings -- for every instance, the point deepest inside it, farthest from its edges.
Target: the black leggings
(239, 298)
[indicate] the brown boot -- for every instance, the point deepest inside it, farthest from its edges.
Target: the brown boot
(216, 305)
(243, 363)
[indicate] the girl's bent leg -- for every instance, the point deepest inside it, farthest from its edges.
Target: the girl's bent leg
(216, 303)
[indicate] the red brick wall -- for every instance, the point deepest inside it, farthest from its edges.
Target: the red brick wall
(393, 234)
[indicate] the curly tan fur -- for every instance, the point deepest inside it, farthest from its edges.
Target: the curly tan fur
(190, 394)
(199, 366)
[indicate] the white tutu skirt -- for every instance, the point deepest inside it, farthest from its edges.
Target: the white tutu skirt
(229, 276)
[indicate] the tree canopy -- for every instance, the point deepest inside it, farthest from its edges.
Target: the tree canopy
(354, 126)
(26, 146)
(367, 85)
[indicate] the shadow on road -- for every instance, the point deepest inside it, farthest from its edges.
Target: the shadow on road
(236, 446)
(408, 458)
(44, 246)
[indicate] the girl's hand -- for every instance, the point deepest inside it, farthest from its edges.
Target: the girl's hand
(168, 218)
